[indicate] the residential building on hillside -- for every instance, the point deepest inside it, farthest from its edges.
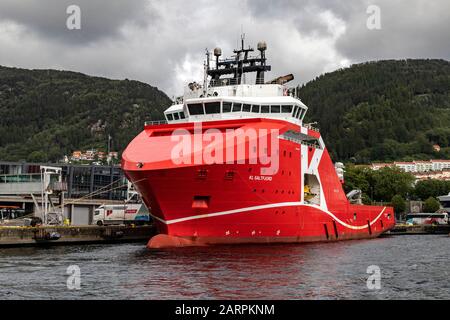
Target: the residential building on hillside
(416, 166)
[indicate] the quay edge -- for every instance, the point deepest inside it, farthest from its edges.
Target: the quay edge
(38, 236)
(401, 229)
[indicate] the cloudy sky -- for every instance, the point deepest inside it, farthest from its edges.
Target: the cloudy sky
(163, 42)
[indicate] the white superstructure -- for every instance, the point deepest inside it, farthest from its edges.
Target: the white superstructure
(231, 98)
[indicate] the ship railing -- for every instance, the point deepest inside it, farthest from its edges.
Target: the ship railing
(155, 123)
(20, 178)
(299, 141)
(233, 81)
(310, 127)
(223, 82)
(59, 186)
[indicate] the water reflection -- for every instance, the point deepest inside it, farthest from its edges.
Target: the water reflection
(412, 267)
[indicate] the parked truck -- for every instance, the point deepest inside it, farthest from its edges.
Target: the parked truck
(128, 213)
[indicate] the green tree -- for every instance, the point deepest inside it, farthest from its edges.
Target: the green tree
(391, 181)
(357, 178)
(37, 156)
(374, 111)
(431, 205)
(57, 112)
(379, 185)
(431, 188)
(398, 203)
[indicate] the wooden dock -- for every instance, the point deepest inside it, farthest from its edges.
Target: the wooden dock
(57, 235)
(404, 229)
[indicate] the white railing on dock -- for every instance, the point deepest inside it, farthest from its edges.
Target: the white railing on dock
(20, 178)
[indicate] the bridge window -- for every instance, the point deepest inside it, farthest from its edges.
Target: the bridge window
(176, 116)
(169, 116)
(237, 107)
(295, 111)
(274, 109)
(286, 109)
(246, 108)
(445, 203)
(301, 113)
(195, 109)
(265, 109)
(226, 107)
(298, 112)
(182, 116)
(255, 108)
(212, 107)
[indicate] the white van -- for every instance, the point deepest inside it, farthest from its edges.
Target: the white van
(131, 213)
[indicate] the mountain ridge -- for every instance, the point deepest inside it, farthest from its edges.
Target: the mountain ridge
(63, 111)
(374, 111)
(383, 110)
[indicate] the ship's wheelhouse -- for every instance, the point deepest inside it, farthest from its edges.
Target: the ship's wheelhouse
(175, 114)
(223, 108)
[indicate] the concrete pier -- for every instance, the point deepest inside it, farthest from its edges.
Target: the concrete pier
(419, 229)
(48, 235)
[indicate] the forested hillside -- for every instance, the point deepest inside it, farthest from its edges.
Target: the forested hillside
(45, 114)
(386, 110)
(376, 111)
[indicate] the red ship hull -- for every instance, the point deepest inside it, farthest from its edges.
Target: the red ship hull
(200, 204)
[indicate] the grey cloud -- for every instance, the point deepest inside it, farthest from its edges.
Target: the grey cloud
(163, 42)
(303, 12)
(409, 29)
(100, 18)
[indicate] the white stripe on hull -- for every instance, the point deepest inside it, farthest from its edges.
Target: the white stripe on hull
(267, 206)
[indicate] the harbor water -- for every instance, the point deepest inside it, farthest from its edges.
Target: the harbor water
(412, 267)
